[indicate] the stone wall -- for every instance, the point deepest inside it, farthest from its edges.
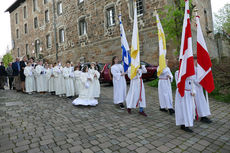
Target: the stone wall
(101, 42)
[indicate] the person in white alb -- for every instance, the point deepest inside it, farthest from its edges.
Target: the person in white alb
(85, 97)
(28, 72)
(136, 94)
(165, 90)
(58, 86)
(77, 75)
(202, 105)
(39, 70)
(45, 78)
(185, 106)
(95, 82)
(68, 76)
(119, 83)
(50, 78)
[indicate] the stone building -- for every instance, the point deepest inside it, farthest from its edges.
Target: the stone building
(88, 30)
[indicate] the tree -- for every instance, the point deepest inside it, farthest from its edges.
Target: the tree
(7, 58)
(222, 19)
(172, 21)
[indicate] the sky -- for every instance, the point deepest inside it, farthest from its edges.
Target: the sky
(5, 34)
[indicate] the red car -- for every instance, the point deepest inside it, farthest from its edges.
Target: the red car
(106, 76)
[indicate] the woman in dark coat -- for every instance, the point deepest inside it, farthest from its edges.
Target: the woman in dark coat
(22, 76)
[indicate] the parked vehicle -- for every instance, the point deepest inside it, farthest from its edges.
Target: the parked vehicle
(107, 78)
(99, 66)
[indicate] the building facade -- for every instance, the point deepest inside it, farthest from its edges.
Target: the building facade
(88, 30)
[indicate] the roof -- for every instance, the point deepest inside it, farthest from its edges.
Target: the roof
(15, 5)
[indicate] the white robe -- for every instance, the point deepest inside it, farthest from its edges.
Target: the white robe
(95, 82)
(165, 90)
(34, 79)
(200, 100)
(50, 79)
(58, 81)
(136, 85)
(45, 80)
(85, 98)
(40, 78)
(69, 85)
(29, 84)
(77, 85)
(119, 84)
(184, 106)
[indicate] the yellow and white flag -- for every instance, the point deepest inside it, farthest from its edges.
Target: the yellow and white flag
(162, 47)
(135, 49)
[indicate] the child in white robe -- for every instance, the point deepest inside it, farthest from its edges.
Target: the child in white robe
(50, 78)
(165, 90)
(39, 77)
(95, 82)
(119, 83)
(85, 97)
(184, 106)
(77, 75)
(58, 85)
(136, 94)
(28, 72)
(202, 105)
(68, 76)
(45, 78)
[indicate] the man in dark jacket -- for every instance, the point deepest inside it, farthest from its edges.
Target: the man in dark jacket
(2, 76)
(16, 73)
(9, 72)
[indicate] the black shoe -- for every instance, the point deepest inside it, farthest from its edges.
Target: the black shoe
(171, 111)
(122, 106)
(205, 120)
(163, 110)
(70, 97)
(129, 110)
(186, 129)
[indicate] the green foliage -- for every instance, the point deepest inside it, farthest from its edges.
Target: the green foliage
(222, 19)
(154, 83)
(216, 94)
(172, 21)
(7, 58)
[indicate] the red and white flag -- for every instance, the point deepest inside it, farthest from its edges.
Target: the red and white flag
(204, 64)
(186, 68)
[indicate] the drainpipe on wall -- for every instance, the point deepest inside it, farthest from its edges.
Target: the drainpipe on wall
(55, 30)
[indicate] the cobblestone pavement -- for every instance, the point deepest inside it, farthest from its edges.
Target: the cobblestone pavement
(45, 123)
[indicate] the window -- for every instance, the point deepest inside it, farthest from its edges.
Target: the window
(35, 5)
(140, 7)
(48, 41)
(35, 22)
(61, 35)
(18, 52)
(47, 19)
(110, 14)
(27, 49)
(25, 28)
(25, 12)
(80, 1)
(17, 33)
(59, 8)
(37, 46)
(45, 1)
(82, 27)
(16, 18)
(206, 18)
